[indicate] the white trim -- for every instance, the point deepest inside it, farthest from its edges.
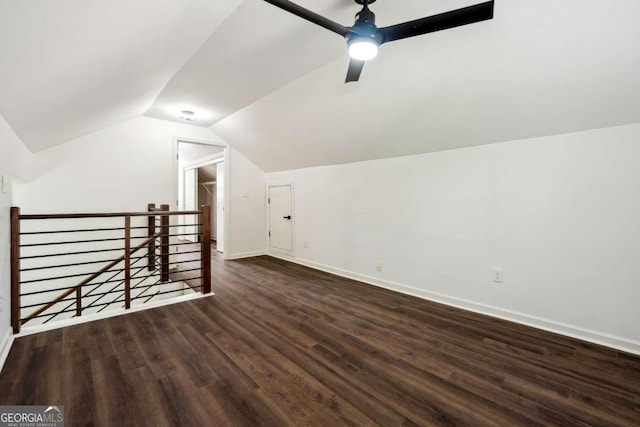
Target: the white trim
(600, 338)
(292, 252)
(30, 330)
(226, 244)
(247, 254)
(204, 161)
(174, 162)
(5, 346)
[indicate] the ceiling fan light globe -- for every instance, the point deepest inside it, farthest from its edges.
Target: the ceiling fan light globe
(363, 50)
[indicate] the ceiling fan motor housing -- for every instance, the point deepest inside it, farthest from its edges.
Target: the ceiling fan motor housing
(365, 27)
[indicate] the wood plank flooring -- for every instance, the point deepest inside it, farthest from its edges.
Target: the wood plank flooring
(280, 344)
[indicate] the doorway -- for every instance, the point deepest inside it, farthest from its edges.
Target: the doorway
(280, 211)
(210, 187)
(201, 181)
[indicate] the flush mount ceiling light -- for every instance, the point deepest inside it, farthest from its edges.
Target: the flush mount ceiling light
(187, 115)
(364, 36)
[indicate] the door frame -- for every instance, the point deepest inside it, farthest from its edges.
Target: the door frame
(227, 174)
(204, 161)
(292, 252)
(213, 159)
(189, 219)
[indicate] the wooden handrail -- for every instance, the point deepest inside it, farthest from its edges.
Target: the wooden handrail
(107, 214)
(88, 279)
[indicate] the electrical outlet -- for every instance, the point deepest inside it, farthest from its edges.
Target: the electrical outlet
(378, 266)
(5, 183)
(498, 275)
(306, 244)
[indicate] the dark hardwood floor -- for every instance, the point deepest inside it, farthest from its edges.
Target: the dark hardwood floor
(280, 344)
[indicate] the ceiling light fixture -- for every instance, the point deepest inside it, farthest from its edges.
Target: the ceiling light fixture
(365, 37)
(187, 115)
(363, 48)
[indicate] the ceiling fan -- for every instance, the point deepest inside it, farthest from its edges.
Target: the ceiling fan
(364, 36)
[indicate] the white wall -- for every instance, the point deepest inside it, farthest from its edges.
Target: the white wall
(15, 163)
(120, 168)
(560, 215)
(246, 208)
(126, 166)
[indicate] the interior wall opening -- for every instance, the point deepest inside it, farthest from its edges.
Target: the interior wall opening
(200, 172)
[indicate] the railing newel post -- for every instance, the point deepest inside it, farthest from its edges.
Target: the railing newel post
(205, 247)
(151, 230)
(127, 261)
(15, 268)
(164, 244)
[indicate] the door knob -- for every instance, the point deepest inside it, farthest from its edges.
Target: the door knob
(287, 217)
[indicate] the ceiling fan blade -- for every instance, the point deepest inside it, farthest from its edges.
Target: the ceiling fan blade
(355, 68)
(443, 21)
(310, 16)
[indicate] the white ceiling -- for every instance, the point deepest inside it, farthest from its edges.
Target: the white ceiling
(71, 67)
(272, 85)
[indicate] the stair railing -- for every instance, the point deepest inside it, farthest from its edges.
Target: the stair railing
(36, 253)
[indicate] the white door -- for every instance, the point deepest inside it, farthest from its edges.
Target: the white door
(219, 213)
(280, 218)
(190, 204)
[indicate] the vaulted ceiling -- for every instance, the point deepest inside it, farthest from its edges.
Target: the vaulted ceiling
(272, 85)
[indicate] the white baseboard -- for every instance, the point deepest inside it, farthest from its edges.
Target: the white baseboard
(246, 254)
(600, 338)
(5, 346)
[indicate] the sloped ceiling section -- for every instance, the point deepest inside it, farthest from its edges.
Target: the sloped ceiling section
(252, 54)
(272, 85)
(260, 49)
(70, 67)
(539, 68)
